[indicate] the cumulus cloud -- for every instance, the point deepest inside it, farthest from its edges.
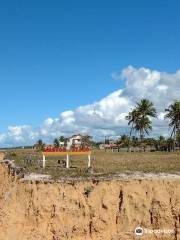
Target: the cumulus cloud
(18, 135)
(106, 118)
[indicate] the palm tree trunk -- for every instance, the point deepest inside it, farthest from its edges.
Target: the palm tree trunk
(141, 138)
(174, 138)
(141, 135)
(178, 135)
(129, 149)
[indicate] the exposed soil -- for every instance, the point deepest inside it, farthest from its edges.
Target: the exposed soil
(90, 209)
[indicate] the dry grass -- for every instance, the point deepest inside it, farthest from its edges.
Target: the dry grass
(104, 163)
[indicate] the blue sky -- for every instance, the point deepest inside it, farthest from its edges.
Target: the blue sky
(58, 55)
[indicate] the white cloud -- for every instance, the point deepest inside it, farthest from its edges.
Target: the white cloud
(107, 116)
(161, 116)
(48, 122)
(17, 135)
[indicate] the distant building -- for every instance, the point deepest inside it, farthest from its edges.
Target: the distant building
(102, 146)
(75, 140)
(61, 144)
(109, 144)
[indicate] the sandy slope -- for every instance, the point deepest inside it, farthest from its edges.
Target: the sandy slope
(107, 210)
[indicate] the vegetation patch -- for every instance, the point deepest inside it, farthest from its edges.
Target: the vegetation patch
(103, 163)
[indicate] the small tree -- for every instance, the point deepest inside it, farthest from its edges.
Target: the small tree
(63, 139)
(124, 140)
(40, 145)
(162, 143)
(135, 142)
(86, 140)
(56, 142)
(170, 144)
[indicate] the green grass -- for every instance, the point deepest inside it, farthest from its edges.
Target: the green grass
(103, 163)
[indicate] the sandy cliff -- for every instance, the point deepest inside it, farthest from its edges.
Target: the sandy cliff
(88, 210)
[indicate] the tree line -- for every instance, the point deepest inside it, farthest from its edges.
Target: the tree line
(140, 121)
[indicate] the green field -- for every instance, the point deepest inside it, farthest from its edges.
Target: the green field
(103, 163)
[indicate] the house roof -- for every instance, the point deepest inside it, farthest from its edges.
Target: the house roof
(78, 136)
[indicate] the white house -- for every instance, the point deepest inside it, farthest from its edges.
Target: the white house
(61, 144)
(74, 140)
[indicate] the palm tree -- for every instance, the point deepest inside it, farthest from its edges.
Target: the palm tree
(131, 117)
(143, 125)
(145, 110)
(173, 115)
(139, 117)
